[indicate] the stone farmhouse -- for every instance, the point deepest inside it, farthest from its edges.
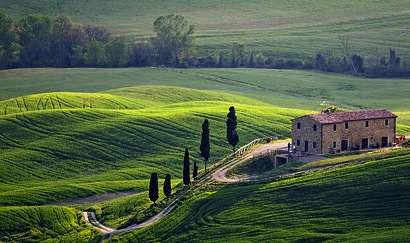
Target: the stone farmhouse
(329, 132)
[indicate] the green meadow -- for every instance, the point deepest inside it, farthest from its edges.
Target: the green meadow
(73, 133)
(358, 203)
(297, 29)
(68, 134)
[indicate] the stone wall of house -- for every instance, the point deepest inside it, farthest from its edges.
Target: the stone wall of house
(356, 132)
(306, 134)
(327, 139)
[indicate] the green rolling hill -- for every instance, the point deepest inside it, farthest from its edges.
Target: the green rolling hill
(358, 203)
(54, 149)
(73, 133)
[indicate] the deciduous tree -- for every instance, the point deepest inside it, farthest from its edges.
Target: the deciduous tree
(173, 35)
(34, 37)
(153, 187)
(8, 45)
(118, 52)
(95, 55)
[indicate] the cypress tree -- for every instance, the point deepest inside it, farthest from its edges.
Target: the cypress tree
(231, 123)
(186, 173)
(204, 147)
(167, 185)
(153, 187)
(195, 172)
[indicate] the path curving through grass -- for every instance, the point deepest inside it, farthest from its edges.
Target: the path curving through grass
(218, 175)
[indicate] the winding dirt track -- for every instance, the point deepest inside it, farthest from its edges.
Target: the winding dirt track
(219, 175)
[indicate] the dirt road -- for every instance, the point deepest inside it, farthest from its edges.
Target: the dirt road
(220, 174)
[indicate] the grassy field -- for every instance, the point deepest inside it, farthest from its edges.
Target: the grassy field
(72, 133)
(44, 224)
(286, 28)
(56, 147)
(365, 202)
(285, 88)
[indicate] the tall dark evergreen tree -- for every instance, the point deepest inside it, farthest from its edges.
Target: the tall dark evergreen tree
(153, 187)
(231, 123)
(167, 185)
(205, 147)
(186, 173)
(195, 172)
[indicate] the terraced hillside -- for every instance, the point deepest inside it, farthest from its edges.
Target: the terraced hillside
(368, 201)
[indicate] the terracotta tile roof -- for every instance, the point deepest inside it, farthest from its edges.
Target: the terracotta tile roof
(326, 118)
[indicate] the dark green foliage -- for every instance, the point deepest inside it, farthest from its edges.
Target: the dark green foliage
(186, 172)
(195, 171)
(231, 123)
(357, 62)
(95, 55)
(118, 52)
(205, 147)
(173, 35)
(34, 37)
(153, 187)
(7, 40)
(167, 185)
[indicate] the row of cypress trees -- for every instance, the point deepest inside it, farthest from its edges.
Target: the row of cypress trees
(233, 139)
(153, 187)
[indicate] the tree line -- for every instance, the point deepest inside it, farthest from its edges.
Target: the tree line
(233, 139)
(46, 41)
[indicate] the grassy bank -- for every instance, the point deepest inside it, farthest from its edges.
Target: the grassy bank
(355, 203)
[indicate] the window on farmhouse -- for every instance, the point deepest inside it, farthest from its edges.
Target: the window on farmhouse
(334, 127)
(386, 122)
(314, 128)
(346, 125)
(298, 125)
(297, 142)
(334, 144)
(314, 144)
(366, 123)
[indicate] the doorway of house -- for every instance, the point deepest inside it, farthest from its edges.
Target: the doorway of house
(384, 141)
(345, 144)
(306, 146)
(365, 143)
